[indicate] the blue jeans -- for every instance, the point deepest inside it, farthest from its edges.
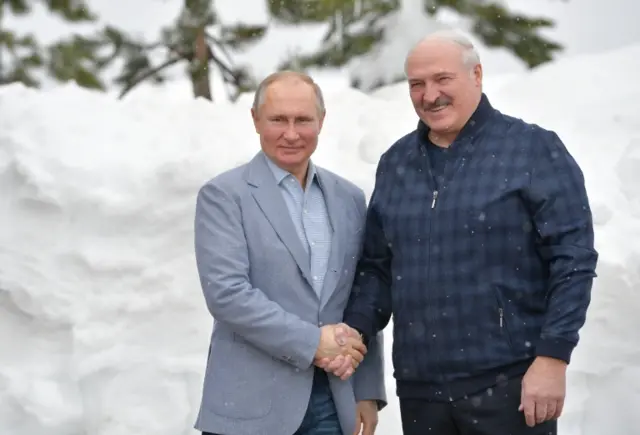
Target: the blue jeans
(321, 417)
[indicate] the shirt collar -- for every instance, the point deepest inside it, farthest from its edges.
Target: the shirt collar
(281, 174)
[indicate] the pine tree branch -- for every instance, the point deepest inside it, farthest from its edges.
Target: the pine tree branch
(24, 54)
(150, 73)
(219, 46)
(85, 59)
(75, 11)
(227, 72)
(230, 73)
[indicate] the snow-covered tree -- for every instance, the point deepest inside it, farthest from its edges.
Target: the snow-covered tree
(196, 40)
(199, 41)
(373, 36)
(22, 56)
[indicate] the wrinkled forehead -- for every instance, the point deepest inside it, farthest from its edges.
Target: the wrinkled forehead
(434, 58)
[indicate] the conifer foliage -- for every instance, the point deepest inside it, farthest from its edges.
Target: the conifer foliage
(357, 26)
(199, 43)
(189, 42)
(71, 59)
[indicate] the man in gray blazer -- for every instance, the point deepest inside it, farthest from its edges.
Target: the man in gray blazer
(277, 241)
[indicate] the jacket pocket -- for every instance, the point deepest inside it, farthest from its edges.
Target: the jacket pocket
(239, 380)
(503, 316)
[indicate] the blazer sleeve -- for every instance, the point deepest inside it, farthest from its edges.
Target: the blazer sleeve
(222, 260)
(368, 380)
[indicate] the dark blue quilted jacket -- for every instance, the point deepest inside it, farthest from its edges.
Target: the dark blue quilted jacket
(491, 267)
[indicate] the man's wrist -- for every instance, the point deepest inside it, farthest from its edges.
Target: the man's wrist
(549, 360)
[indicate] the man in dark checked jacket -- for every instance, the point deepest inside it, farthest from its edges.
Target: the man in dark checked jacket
(479, 241)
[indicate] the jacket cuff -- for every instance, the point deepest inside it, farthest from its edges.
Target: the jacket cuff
(373, 390)
(557, 348)
(361, 324)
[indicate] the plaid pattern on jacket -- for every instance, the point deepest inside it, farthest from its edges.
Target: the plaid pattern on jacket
(490, 267)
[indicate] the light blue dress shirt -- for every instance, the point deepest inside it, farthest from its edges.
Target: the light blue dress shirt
(308, 210)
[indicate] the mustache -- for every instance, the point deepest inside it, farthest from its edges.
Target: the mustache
(440, 101)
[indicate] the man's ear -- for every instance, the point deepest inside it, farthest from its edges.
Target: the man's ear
(477, 74)
(254, 116)
(321, 121)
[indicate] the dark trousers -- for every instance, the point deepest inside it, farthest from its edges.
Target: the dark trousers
(321, 417)
(490, 412)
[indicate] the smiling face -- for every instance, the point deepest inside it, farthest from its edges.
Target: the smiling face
(289, 122)
(445, 90)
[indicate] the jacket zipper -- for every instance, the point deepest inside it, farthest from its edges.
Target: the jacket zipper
(438, 363)
(434, 200)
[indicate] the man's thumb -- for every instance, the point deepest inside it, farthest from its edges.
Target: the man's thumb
(341, 338)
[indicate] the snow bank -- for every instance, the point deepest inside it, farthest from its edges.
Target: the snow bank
(103, 328)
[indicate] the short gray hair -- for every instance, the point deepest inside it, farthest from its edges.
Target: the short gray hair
(258, 98)
(470, 56)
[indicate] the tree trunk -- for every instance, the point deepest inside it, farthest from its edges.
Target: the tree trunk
(1, 59)
(200, 67)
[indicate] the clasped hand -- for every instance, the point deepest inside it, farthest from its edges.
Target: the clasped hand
(340, 351)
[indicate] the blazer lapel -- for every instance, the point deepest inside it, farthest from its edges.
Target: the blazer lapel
(270, 201)
(338, 217)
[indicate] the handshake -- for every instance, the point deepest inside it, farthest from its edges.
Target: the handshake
(340, 351)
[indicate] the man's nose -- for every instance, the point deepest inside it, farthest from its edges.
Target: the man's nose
(291, 133)
(430, 96)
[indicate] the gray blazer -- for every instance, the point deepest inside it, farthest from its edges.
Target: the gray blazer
(256, 283)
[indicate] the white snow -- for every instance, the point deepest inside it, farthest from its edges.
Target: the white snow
(103, 329)
(403, 29)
